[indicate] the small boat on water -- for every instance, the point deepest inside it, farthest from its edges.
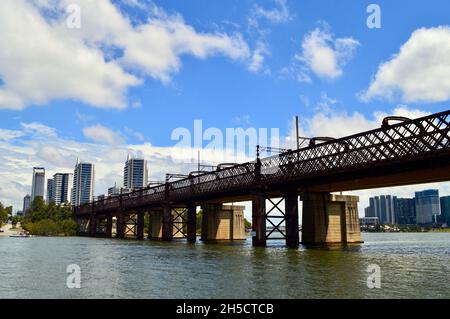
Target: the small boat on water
(20, 235)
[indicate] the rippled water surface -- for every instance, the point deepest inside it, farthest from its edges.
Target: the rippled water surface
(413, 265)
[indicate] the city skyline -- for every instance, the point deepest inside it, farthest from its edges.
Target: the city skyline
(426, 207)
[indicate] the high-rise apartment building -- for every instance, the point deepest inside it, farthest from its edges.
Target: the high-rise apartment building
(49, 190)
(382, 207)
(83, 183)
(26, 203)
(59, 188)
(405, 211)
(427, 206)
(135, 173)
(38, 183)
(445, 210)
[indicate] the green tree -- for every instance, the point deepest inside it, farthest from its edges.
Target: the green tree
(15, 220)
(4, 214)
(199, 222)
(49, 219)
(247, 224)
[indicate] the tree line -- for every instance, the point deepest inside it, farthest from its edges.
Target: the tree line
(44, 219)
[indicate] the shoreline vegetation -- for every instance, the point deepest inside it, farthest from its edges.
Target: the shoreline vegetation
(404, 229)
(49, 219)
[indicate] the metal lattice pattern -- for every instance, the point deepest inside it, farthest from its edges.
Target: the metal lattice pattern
(131, 225)
(422, 138)
(179, 222)
(276, 217)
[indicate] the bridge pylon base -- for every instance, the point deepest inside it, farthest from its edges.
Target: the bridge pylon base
(330, 219)
(223, 222)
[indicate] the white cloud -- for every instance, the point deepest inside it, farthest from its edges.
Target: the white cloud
(279, 14)
(324, 55)
(103, 135)
(36, 129)
(420, 72)
(7, 135)
(258, 57)
(259, 23)
(99, 62)
(135, 134)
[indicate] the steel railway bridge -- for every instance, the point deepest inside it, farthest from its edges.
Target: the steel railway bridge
(400, 152)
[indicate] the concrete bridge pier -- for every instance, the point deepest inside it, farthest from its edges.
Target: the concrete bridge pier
(291, 220)
(92, 225)
(109, 225)
(191, 223)
(140, 224)
(259, 219)
(120, 225)
(330, 219)
(167, 227)
(169, 223)
(223, 222)
(289, 217)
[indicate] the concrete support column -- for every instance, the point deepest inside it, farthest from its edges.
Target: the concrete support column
(191, 223)
(291, 213)
(120, 225)
(109, 226)
(330, 219)
(259, 219)
(223, 222)
(92, 225)
(167, 227)
(140, 225)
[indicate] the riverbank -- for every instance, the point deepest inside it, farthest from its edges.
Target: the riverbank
(8, 230)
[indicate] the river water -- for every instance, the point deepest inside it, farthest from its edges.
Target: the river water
(412, 265)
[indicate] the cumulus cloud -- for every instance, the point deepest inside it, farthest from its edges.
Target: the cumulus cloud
(420, 72)
(324, 55)
(103, 135)
(98, 63)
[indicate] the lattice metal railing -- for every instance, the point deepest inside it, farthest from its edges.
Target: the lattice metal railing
(409, 140)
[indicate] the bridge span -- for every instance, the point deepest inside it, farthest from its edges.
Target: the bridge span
(401, 152)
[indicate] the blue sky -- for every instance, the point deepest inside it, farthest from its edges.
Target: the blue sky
(252, 55)
(218, 90)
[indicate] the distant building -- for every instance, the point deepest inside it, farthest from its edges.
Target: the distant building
(135, 173)
(20, 213)
(445, 210)
(382, 207)
(427, 206)
(59, 188)
(405, 211)
(38, 184)
(26, 203)
(369, 221)
(113, 190)
(83, 184)
(49, 190)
